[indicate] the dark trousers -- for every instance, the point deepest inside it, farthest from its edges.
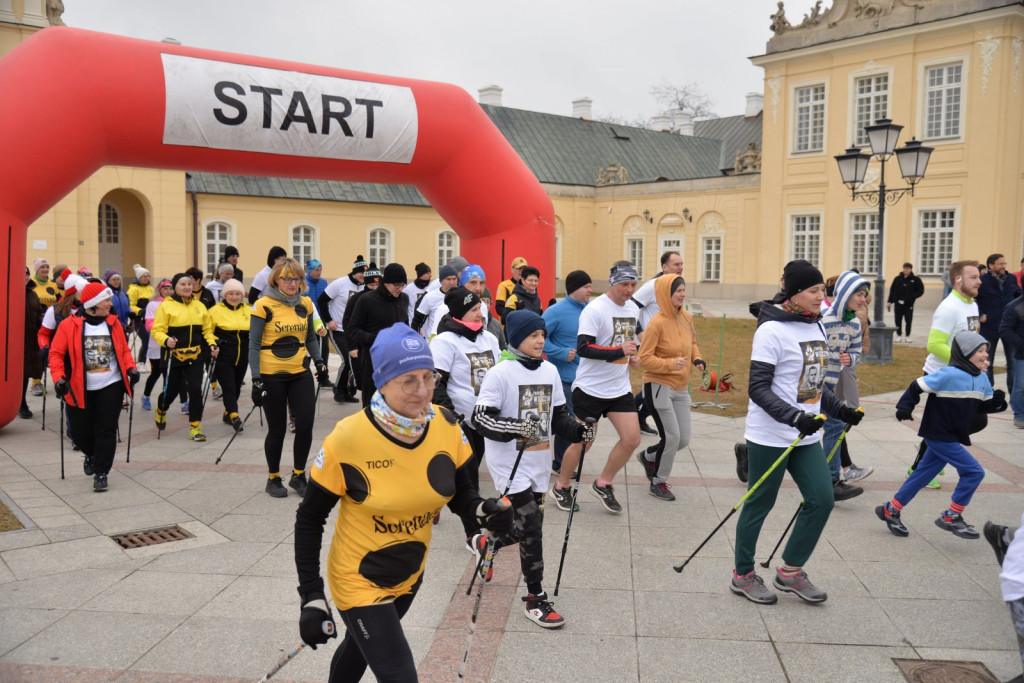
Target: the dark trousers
(529, 534)
(993, 342)
(192, 373)
(95, 426)
(560, 443)
(374, 637)
(230, 378)
(158, 369)
(476, 442)
(143, 335)
(366, 384)
(903, 312)
(341, 385)
(295, 392)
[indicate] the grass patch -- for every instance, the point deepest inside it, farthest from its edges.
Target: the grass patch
(8, 522)
(739, 336)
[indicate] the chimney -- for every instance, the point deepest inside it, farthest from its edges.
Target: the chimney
(661, 123)
(683, 122)
(581, 109)
(491, 94)
(755, 104)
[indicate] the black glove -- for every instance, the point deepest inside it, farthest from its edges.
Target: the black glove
(808, 424)
(133, 377)
(700, 364)
(258, 392)
(61, 388)
(316, 623)
(904, 415)
(999, 397)
(529, 429)
(496, 516)
(851, 416)
(323, 375)
(585, 432)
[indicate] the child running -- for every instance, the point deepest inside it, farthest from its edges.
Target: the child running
(957, 392)
(523, 386)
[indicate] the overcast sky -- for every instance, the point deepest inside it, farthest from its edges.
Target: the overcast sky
(543, 53)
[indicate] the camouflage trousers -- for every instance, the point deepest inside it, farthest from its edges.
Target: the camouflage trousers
(529, 524)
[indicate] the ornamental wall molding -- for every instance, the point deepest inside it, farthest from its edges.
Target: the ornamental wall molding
(712, 223)
(775, 85)
(988, 47)
(635, 225)
(1018, 45)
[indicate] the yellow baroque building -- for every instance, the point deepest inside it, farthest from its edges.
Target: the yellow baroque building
(737, 196)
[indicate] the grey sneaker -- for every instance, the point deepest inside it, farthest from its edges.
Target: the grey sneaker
(1019, 423)
(606, 494)
(958, 526)
(646, 464)
(892, 520)
(800, 586)
(661, 492)
(751, 586)
(563, 498)
(854, 473)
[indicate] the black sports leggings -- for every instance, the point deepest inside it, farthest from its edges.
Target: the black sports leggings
(95, 426)
(374, 636)
(230, 378)
(157, 369)
(296, 392)
(192, 373)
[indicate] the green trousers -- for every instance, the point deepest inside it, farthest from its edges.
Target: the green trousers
(807, 466)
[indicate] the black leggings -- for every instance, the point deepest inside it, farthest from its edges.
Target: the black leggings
(476, 442)
(157, 369)
(374, 636)
(193, 374)
(230, 378)
(95, 427)
(295, 392)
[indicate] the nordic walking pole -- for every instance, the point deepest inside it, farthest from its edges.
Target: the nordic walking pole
(163, 394)
(799, 507)
(233, 436)
(750, 492)
(328, 627)
(486, 561)
(62, 438)
(209, 378)
(131, 414)
(44, 398)
(512, 476)
(572, 506)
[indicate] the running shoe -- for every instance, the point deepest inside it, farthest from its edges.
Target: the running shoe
(298, 482)
(854, 473)
(275, 488)
(606, 494)
(146, 404)
(184, 406)
(217, 391)
(37, 388)
(542, 612)
(740, 451)
(87, 466)
(161, 419)
(99, 482)
(891, 519)
(563, 499)
(237, 423)
(661, 492)
(195, 432)
(999, 538)
(751, 586)
(226, 418)
(843, 491)
(958, 526)
(800, 586)
(646, 464)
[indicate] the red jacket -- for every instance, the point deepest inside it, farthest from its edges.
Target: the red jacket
(66, 350)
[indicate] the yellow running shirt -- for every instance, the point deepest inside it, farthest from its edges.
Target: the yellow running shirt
(389, 493)
(282, 350)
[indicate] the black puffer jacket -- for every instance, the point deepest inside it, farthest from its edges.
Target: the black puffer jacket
(375, 311)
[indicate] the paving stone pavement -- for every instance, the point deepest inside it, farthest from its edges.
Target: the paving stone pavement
(222, 606)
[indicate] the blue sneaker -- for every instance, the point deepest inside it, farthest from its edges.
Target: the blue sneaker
(184, 407)
(146, 405)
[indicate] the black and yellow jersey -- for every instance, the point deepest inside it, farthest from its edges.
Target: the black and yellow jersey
(48, 292)
(285, 331)
(231, 327)
(189, 323)
(138, 296)
(390, 492)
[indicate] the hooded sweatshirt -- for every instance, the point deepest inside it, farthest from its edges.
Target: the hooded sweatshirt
(842, 327)
(670, 334)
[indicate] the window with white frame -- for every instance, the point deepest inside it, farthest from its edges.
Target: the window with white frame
(943, 86)
(806, 238)
(871, 102)
(809, 135)
(864, 242)
(635, 254)
(218, 237)
(711, 259)
(109, 221)
(303, 243)
(447, 247)
(380, 247)
(936, 234)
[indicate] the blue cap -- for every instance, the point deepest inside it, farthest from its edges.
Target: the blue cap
(448, 271)
(313, 264)
(398, 350)
(469, 272)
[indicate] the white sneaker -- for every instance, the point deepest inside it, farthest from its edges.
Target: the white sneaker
(854, 473)
(899, 339)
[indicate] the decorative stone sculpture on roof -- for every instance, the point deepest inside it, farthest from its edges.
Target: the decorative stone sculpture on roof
(748, 161)
(54, 10)
(779, 21)
(615, 174)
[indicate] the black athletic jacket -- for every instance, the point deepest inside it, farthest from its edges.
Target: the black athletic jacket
(373, 312)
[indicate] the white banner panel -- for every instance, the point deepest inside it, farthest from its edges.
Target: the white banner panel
(254, 109)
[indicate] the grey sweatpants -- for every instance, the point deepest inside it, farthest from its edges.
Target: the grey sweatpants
(671, 412)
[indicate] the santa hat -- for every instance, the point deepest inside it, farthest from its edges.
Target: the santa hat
(95, 293)
(72, 283)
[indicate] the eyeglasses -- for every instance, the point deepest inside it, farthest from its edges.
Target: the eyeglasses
(291, 280)
(396, 285)
(411, 385)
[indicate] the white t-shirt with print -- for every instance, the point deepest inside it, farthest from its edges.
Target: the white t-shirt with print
(466, 363)
(952, 315)
(519, 392)
(339, 292)
(799, 353)
(99, 357)
(645, 297)
(610, 325)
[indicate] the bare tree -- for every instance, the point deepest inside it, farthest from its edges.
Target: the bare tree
(615, 119)
(687, 97)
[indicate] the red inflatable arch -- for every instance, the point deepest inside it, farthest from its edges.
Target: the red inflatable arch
(75, 101)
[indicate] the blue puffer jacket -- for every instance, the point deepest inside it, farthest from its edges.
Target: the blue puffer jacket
(122, 307)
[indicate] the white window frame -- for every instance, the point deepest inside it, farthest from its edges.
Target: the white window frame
(634, 249)
(791, 232)
(105, 230)
(868, 266)
(373, 250)
(711, 272)
(918, 236)
(663, 246)
(439, 248)
(314, 245)
(857, 134)
(211, 269)
(922, 97)
(794, 116)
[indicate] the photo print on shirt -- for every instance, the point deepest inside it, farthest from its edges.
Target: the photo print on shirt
(479, 363)
(623, 330)
(97, 353)
(812, 375)
(535, 401)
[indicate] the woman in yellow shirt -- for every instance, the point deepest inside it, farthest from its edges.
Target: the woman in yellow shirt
(231, 327)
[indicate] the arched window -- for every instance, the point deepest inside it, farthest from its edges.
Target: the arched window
(219, 235)
(379, 246)
(303, 239)
(109, 221)
(447, 247)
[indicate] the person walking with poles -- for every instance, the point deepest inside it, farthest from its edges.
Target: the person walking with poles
(787, 391)
(390, 468)
(231, 321)
(157, 368)
(669, 351)
(607, 345)
(93, 368)
(140, 291)
(906, 288)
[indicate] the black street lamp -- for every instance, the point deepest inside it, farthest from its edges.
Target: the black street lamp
(853, 165)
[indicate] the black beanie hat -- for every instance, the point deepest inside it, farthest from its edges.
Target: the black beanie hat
(178, 276)
(274, 254)
(575, 280)
(800, 275)
(394, 274)
(676, 284)
(521, 324)
(459, 300)
(359, 265)
(229, 252)
(422, 269)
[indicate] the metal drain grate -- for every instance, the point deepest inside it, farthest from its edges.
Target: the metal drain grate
(141, 539)
(925, 671)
